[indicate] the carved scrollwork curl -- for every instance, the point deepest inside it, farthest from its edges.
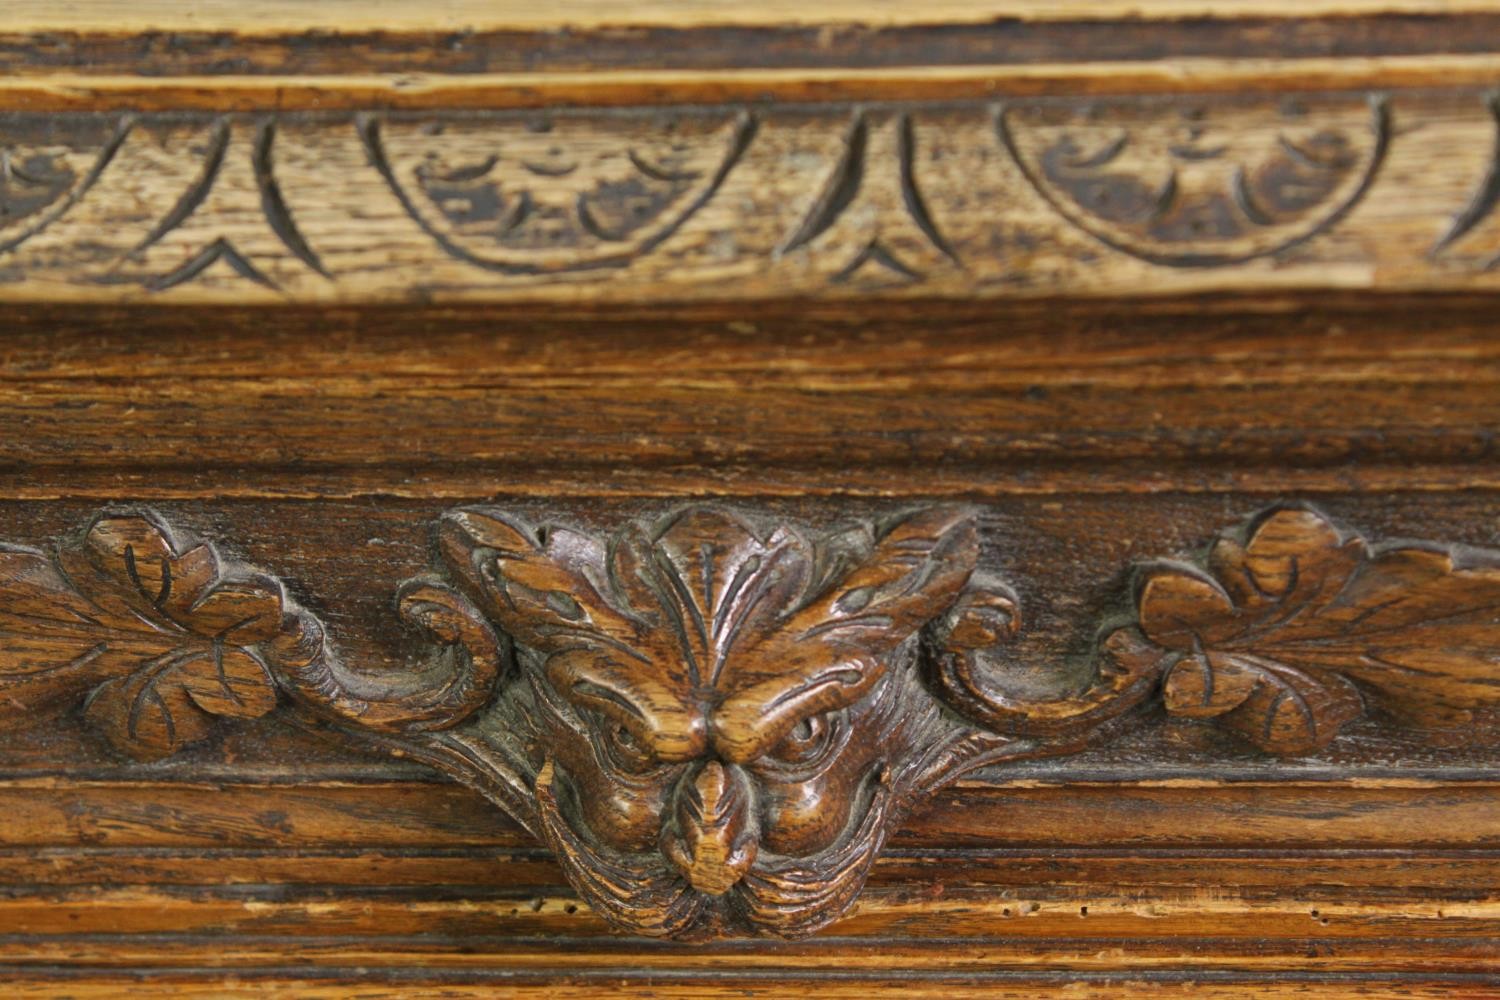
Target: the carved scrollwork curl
(439, 692)
(967, 667)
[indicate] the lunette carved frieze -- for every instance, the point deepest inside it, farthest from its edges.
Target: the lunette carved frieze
(715, 719)
(1017, 197)
(1190, 190)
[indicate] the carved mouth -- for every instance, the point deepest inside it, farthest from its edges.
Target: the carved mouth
(791, 897)
(645, 894)
(636, 892)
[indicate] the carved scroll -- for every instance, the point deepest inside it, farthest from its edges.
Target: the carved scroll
(716, 719)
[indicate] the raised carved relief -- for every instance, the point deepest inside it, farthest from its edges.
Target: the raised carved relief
(716, 719)
(162, 635)
(1182, 186)
(1291, 627)
(553, 192)
(715, 722)
(48, 162)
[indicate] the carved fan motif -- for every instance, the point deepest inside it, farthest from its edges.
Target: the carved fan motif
(1173, 186)
(1288, 629)
(554, 194)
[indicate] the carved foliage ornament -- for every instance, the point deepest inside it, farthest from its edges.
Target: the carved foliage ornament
(714, 723)
(715, 720)
(161, 634)
(1292, 626)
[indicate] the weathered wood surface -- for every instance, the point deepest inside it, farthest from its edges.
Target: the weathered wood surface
(409, 45)
(1019, 198)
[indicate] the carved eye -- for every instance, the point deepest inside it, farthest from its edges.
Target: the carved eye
(807, 741)
(622, 748)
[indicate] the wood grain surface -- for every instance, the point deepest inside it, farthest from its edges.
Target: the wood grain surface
(1168, 860)
(1190, 306)
(1014, 198)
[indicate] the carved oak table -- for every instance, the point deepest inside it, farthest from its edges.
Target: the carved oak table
(673, 499)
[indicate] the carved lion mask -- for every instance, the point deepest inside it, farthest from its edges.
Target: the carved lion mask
(717, 719)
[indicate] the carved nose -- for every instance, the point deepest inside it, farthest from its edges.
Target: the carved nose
(715, 836)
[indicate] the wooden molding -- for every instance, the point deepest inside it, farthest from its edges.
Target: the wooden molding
(1107, 195)
(716, 718)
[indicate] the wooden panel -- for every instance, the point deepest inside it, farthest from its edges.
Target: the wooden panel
(1122, 375)
(1302, 402)
(998, 987)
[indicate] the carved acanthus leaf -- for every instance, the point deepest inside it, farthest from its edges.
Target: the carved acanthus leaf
(165, 635)
(704, 600)
(1288, 629)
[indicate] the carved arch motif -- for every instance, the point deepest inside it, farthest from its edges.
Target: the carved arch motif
(553, 194)
(1172, 185)
(49, 162)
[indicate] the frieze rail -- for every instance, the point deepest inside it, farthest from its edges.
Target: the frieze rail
(990, 199)
(715, 718)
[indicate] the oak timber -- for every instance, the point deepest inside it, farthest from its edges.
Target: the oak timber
(1120, 279)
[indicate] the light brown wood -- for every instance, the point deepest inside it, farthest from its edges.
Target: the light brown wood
(1065, 336)
(402, 15)
(746, 204)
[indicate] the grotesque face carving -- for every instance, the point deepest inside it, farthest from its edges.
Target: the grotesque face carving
(715, 723)
(722, 721)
